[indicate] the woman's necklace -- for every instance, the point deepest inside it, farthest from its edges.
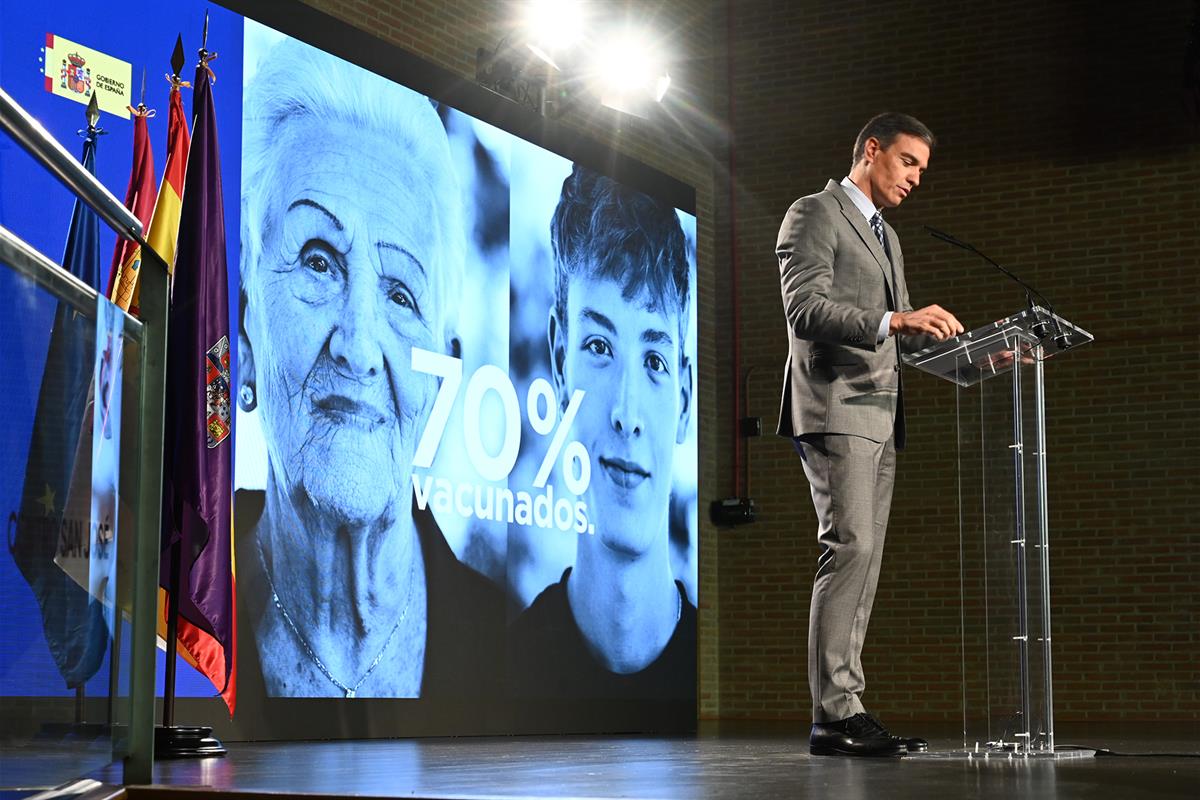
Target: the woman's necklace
(348, 691)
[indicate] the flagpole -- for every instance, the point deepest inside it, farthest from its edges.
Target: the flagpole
(93, 119)
(172, 740)
(172, 640)
(81, 726)
(115, 660)
(168, 743)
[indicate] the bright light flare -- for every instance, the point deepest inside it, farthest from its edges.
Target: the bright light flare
(553, 27)
(630, 69)
(661, 84)
(628, 63)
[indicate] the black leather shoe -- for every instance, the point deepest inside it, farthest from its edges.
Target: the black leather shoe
(913, 744)
(860, 735)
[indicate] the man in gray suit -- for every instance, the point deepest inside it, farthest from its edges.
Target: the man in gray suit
(848, 314)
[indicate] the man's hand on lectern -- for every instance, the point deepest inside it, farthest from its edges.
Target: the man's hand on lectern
(931, 320)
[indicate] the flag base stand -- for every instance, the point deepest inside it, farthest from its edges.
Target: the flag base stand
(186, 741)
(171, 740)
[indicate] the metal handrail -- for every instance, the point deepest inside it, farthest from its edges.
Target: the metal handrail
(38, 142)
(23, 258)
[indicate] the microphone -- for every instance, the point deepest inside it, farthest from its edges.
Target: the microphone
(1040, 327)
(945, 237)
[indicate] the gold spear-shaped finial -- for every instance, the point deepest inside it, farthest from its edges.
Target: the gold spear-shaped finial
(93, 112)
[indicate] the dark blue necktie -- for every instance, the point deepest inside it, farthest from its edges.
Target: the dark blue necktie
(877, 226)
(898, 424)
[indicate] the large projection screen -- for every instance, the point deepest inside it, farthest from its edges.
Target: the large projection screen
(466, 437)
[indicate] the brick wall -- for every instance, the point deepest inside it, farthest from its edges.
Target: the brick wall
(1067, 153)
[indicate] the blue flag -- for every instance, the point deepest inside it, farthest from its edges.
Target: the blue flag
(72, 620)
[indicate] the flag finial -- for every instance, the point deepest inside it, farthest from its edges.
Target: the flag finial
(178, 59)
(93, 111)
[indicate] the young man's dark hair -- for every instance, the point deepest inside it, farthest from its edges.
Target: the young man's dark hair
(607, 230)
(885, 127)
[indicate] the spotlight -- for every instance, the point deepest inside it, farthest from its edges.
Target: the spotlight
(622, 66)
(553, 26)
(631, 72)
(624, 63)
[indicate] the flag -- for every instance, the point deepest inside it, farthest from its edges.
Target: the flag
(161, 235)
(73, 621)
(93, 493)
(198, 476)
(139, 198)
(164, 223)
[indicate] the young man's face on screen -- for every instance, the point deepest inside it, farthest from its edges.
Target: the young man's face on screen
(626, 357)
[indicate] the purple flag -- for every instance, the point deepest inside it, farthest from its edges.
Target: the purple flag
(197, 497)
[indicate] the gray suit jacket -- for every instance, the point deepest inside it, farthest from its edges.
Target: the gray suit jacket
(834, 276)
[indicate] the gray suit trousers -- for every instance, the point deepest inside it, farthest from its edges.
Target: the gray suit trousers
(851, 479)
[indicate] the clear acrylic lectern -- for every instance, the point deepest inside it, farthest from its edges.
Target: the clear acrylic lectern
(1004, 565)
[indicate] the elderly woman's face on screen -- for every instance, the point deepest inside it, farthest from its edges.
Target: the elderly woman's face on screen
(342, 292)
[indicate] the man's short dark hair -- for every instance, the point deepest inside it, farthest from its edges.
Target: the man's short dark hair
(602, 229)
(886, 127)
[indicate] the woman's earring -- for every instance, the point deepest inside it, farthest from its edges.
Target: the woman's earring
(246, 399)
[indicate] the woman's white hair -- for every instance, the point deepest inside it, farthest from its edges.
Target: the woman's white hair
(297, 84)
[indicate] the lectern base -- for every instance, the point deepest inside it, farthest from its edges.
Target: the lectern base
(984, 754)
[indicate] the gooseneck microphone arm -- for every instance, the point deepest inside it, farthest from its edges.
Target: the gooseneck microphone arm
(1060, 336)
(970, 248)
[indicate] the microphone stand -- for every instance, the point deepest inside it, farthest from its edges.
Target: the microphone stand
(1040, 327)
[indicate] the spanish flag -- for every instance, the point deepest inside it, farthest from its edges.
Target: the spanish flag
(164, 225)
(139, 198)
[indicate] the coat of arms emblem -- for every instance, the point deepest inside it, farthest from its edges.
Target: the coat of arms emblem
(75, 75)
(216, 392)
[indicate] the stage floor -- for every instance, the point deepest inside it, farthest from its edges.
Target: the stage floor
(726, 760)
